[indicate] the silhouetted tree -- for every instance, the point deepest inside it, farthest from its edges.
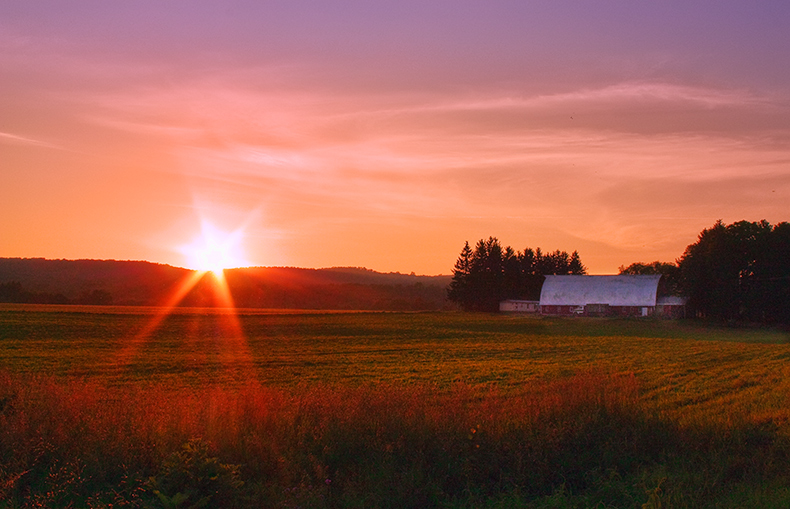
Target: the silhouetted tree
(95, 297)
(487, 275)
(739, 271)
(13, 292)
(576, 266)
(460, 287)
(669, 272)
(490, 273)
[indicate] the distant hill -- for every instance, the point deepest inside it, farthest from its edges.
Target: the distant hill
(150, 284)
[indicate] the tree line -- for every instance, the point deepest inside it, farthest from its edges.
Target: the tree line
(491, 273)
(13, 292)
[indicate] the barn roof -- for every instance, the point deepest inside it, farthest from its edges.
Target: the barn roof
(623, 290)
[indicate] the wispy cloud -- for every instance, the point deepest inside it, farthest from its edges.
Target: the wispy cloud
(22, 140)
(655, 91)
(625, 92)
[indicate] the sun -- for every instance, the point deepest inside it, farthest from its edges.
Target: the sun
(215, 250)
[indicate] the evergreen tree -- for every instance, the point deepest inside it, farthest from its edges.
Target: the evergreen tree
(576, 266)
(490, 273)
(459, 291)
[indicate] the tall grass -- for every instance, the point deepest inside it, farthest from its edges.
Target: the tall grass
(582, 441)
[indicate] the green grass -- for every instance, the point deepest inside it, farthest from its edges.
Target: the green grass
(393, 409)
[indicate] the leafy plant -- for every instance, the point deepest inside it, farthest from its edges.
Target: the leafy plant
(192, 478)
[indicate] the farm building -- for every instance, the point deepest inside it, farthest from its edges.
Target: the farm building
(622, 295)
(671, 307)
(519, 306)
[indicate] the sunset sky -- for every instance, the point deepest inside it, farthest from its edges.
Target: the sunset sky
(384, 135)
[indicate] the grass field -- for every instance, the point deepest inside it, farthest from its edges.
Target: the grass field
(104, 407)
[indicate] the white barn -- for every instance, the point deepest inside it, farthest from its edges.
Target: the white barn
(622, 295)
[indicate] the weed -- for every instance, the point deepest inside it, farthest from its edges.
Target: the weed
(192, 479)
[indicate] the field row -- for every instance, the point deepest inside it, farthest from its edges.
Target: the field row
(680, 366)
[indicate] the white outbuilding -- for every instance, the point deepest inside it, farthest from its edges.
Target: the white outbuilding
(519, 306)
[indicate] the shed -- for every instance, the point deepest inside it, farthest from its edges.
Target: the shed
(519, 306)
(624, 295)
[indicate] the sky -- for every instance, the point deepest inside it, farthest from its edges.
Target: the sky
(386, 134)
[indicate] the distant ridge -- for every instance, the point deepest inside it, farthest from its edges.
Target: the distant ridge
(149, 284)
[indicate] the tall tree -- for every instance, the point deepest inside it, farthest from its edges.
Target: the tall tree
(531, 278)
(739, 271)
(669, 272)
(576, 266)
(460, 286)
(490, 273)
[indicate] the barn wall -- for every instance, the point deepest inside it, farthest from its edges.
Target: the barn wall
(598, 310)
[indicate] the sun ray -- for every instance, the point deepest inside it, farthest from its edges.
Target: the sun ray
(133, 345)
(236, 353)
(209, 255)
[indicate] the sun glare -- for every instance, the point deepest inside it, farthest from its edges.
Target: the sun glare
(212, 251)
(215, 250)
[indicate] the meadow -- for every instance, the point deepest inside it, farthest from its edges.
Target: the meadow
(129, 407)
